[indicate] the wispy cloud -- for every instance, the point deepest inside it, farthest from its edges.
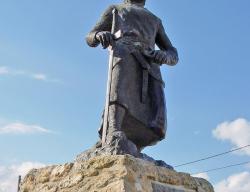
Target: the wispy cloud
(21, 128)
(237, 132)
(3, 70)
(235, 183)
(36, 76)
(9, 174)
(40, 76)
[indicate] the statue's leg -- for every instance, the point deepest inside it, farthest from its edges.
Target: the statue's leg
(117, 142)
(116, 117)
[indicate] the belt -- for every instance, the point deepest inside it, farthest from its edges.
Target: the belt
(145, 72)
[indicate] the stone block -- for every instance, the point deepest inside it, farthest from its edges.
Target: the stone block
(120, 173)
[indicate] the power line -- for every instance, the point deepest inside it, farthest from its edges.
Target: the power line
(212, 156)
(216, 169)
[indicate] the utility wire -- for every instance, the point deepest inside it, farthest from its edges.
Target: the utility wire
(216, 169)
(212, 156)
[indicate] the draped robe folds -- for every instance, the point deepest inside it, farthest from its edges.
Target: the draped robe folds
(136, 87)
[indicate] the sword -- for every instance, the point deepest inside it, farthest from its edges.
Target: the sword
(111, 59)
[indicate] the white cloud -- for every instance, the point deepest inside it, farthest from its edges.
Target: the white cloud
(43, 77)
(237, 132)
(37, 76)
(4, 70)
(20, 128)
(40, 76)
(202, 175)
(9, 175)
(236, 183)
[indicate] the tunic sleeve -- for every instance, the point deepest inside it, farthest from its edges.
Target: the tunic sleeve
(104, 24)
(163, 42)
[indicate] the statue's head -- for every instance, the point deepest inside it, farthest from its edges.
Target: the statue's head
(140, 2)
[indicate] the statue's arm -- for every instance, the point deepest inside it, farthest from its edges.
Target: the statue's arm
(104, 24)
(163, 42)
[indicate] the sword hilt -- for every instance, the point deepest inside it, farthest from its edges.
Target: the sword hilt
(114, 11)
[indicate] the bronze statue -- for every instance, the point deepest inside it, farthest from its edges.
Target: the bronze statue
(135, 113)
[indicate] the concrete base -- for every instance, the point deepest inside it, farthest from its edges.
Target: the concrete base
(121, 173)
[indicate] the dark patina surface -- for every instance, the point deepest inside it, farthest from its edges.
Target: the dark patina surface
(137, 109)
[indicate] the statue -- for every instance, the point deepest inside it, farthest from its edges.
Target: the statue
(134, 115)
(135, 111)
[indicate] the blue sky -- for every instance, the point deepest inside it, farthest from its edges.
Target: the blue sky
(53, 84)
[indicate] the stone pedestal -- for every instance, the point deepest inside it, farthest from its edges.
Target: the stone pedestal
(121, 173)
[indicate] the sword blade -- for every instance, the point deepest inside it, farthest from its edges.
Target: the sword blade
(109, 82)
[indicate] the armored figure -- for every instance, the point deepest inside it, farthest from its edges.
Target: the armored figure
(136, 107)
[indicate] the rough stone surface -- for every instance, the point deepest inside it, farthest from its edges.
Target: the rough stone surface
(98, 150)
(121, 173)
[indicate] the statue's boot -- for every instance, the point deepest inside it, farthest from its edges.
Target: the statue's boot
(116, 138)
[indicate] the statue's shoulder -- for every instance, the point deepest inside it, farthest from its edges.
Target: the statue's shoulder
(111, 7)
(119, 7)
(153, 15)
(116, 6)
